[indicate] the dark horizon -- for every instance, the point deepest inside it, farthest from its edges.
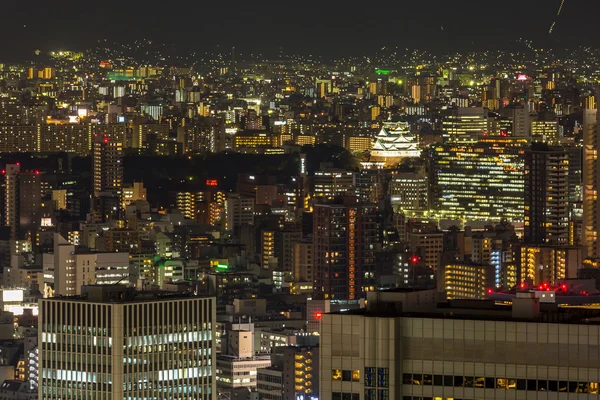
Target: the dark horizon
(322, 29)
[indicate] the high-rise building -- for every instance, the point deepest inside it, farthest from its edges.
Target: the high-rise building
(408, 191)
(546, 195)
(107, 166)
(284, 251)
(115, 343)
(544, 131)
(73, 269)
(344, 239)
(303, 264)
(538, 264)
(479, 181)
(267, 248)
(238, 362)
(591, 183)
(465, 124)
(239, 210)
(300, 372)
(403, 347)
(21, 201)
(428, 245)
(465, 280)
(330, 182)
(521, 123)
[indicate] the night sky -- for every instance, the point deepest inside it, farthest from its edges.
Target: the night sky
(329, 28)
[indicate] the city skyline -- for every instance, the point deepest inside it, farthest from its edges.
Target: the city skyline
(312, 28)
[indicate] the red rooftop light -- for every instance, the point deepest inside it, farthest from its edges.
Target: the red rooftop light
(318, 315)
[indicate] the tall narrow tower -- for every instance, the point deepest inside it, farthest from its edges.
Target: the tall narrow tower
(546, 195)
(21, 200)
(591, 182)
(108, 166)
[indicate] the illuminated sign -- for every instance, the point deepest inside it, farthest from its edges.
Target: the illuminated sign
(222, 267)
(73, 119)
(12, 295)
(279, 123)
(211, 182)
(521, 77)
(382, 71)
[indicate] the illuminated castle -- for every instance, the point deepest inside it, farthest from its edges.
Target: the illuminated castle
(393, 143)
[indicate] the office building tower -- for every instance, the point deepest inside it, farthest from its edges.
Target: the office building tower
(344, 238)
(521, 122)
(21, 201)
(482, 181)
(464, 124)
(591, 183)
(107, 168)
(408, 191)
(371, 184)
(404, 347)
(73, 269)
(303, 261)
(428, 246)
(269, 383)
(544, 131)
(238, 362)
(330, 182)
(239, 210)
(546, 195)
(115, 343)
(284, 251)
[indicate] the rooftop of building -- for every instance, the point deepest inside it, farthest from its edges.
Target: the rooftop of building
(479, 310)
(122, 294)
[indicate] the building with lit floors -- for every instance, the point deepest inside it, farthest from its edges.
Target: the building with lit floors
(591, 183)
(74, 269)
(537, 264)
(107, 178)
(21, 200)
(238, 363)
(408, 191)
(330, 182)
(480, 181)
(465, 124)
(115, 343)
(546, 195)
(107, 168)
(405, 346)
(465, 280)
(301, 372)
(344, 239)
